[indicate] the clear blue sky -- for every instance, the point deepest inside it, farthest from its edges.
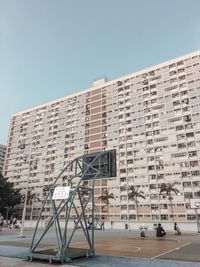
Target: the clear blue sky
(51, 48)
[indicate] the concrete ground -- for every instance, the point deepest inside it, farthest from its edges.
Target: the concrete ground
(14, 262)
(113, 248)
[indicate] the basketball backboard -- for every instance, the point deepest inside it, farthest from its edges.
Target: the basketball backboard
(106, 165)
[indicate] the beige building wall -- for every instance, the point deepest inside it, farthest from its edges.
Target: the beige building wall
(2, 156)
(150, 117)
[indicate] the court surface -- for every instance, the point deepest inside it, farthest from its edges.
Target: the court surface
(124, 244)
(135, 247)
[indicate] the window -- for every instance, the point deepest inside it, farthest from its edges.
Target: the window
(191, 217)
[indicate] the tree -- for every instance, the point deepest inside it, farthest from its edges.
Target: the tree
(105, 198)
(9, 196)
(134, 195)
(84, 192)
(31, 199)
(167, 189)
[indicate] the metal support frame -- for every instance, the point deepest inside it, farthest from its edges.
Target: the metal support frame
(63, 252)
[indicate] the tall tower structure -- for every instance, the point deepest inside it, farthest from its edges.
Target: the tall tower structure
(151, 117)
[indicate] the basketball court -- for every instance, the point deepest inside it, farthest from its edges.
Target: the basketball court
(134, 247)
(118, 244)
(54, 243)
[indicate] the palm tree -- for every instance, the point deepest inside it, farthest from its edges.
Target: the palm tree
(134, 195)
(84, 195)
(31, 199)
(84, 192)
(105, 198)
(167, 189)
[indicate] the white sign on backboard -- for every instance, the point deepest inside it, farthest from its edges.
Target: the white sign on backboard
(61, 193)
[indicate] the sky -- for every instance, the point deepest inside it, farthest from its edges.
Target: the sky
(52, 48)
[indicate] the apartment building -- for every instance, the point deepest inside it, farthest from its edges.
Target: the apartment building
(152, 119)
(2, 156)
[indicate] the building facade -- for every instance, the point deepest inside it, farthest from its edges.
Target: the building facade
(2, 156)
(151, 118)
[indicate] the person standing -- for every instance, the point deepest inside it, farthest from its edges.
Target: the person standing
(14, 222)
(177, 229)
(1, 222)
(102, 224)
(10, 222)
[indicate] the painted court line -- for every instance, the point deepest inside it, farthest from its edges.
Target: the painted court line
(177, 248)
